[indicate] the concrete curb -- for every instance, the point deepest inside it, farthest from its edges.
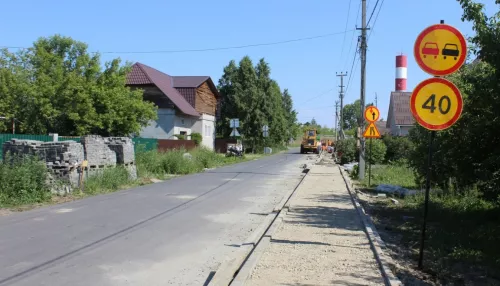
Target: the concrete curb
(244, 258)
(376, 242)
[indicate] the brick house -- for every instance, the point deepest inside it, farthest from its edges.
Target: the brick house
(399, 119)
(186, 104)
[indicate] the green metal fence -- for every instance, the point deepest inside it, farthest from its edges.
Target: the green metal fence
(140, 144)
(145, 144)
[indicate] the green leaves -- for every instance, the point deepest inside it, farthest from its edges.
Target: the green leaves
(58, 86)
(248, 93)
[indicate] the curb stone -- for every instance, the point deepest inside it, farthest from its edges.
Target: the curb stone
(376, 241)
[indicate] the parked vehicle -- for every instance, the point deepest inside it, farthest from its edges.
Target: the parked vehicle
(450, 50)
(234, 151)
(430, 49)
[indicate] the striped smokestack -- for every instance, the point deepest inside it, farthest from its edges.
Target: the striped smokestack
(401, 73)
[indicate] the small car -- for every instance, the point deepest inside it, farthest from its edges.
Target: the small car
(431, 49)
(450, 50)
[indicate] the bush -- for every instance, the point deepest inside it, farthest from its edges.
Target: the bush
(397, 148)
(197, 138)
(348, 150)
(23, 181)
(378, 150)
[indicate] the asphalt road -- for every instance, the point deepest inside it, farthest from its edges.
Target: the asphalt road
(172, 233)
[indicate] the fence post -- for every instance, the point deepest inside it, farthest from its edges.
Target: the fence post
(55, 137)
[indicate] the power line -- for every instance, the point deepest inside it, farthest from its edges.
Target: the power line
(352, 68)
(213, 49)
(352, 38)
(346, 23)
(319, 95)
(373, 11)
(376, 17)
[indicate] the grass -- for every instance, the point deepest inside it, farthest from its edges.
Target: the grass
(463, 230)
(399, 175)
(22, 181)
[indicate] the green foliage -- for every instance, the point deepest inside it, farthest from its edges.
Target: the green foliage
(464, 237)
(467, 154)
(197, 138)
(22, 181)
(58, 86)
(180, 136)
(248, 93)
(398, 148)
(108, 180)
(378, 151)
(351, 116)
(348, 150)
(158, 164)
(393, 174)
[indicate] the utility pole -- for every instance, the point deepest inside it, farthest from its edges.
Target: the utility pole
(341, 95)
(376, 101)
(363, 89)
(336, 116)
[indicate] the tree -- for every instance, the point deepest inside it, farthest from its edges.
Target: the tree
(250, 94)
(290, 114)
(352, 115)
(57, 86)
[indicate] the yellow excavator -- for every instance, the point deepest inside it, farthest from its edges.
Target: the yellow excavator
(309, 141)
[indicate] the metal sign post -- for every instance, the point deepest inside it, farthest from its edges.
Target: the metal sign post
(372, 114)
(436, 104)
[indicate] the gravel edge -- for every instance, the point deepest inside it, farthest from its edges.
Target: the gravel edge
(376, 242)
(246, 259)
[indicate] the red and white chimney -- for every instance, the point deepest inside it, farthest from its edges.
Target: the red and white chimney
(401, 72)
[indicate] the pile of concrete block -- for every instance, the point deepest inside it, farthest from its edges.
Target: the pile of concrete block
(61, 158)
(123, 147)
(97, 152)
(64, 159)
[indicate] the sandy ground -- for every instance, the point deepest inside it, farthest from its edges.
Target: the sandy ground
(321, 240)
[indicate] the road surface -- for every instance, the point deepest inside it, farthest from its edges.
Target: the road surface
(172, 233)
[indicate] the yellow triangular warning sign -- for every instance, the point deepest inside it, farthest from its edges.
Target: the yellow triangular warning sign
(371, 131)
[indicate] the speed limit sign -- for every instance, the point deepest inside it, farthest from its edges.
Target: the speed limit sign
(436, 104)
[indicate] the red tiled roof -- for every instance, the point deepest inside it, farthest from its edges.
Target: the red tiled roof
(189, 81)
(143, 74)
(400, 108)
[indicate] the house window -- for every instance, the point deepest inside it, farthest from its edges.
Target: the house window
(182, 121)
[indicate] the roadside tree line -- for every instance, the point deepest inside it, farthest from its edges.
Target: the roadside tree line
(250, 94)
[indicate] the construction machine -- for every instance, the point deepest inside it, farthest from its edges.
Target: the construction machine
(309, 142)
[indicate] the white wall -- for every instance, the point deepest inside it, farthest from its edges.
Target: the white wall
(162, 128)
(206, 127)
(185, 124)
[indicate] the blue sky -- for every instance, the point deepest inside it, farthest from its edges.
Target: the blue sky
(307, 68)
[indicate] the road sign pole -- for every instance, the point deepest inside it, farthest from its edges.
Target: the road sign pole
(426, 203)
(370, 165)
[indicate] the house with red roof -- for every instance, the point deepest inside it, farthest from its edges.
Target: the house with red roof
(399, 119)
(186, 104)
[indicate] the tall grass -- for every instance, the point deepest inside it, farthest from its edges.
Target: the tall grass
(108, 180)
(174, 162)
(394, 174)
(23, 180)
